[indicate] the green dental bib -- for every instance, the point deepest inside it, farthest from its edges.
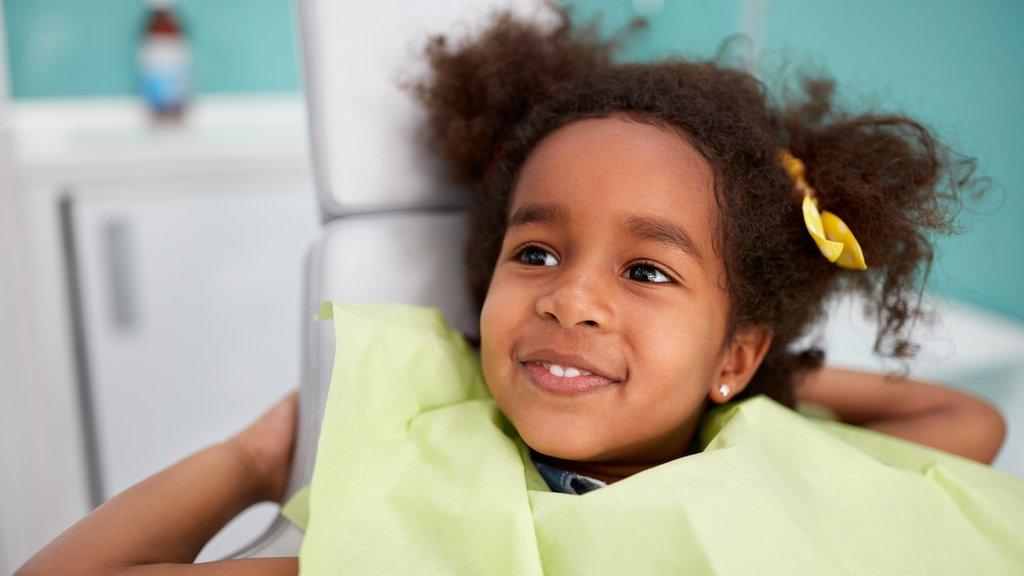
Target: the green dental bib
(418, 472)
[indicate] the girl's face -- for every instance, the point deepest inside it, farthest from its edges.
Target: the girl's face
(608, 258)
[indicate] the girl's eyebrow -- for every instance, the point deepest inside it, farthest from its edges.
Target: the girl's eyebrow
(537, 213)
(665, 232)
(643, 227)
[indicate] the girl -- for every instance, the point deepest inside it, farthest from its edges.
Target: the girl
(638, 253)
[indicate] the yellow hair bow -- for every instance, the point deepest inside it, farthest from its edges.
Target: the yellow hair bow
(834, 238)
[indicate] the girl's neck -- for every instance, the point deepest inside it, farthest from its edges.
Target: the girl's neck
(613, 471)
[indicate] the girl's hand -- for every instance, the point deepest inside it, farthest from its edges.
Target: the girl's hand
(267, 444)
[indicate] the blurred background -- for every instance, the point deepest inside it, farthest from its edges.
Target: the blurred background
(157, 201)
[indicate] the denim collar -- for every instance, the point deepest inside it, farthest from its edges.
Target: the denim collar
(565, 481)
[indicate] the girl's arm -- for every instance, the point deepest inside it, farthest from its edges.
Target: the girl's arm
(925, 413)
(159, 525)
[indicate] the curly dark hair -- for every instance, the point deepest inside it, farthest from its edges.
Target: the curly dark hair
(493, 96)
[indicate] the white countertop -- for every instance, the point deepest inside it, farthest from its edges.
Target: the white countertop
(103, 133)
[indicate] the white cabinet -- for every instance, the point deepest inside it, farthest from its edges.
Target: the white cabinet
(177, 322)
(188, 294)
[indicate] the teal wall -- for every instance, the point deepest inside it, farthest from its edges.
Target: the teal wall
(955, 65)
(70, 48)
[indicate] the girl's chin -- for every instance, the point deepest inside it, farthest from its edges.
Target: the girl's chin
(564, 446)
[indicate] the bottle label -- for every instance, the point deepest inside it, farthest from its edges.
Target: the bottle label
(164, 72)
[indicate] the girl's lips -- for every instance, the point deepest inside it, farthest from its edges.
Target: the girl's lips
(547, 381)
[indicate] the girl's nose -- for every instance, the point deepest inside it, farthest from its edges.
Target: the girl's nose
(578, 297)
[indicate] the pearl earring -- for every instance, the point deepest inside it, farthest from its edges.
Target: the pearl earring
(724, 389)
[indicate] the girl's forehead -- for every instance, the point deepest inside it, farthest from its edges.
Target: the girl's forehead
(604, 171)
(619, 157)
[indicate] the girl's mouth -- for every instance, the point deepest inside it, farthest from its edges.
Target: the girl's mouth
(571, 381)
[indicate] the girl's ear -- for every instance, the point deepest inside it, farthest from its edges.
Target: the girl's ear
(742, 357)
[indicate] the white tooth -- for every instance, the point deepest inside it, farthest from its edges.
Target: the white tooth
(571, 372)
(556, 370)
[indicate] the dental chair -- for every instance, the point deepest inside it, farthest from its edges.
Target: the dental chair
(393, 221)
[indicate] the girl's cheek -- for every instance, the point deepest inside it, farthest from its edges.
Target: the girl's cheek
(495, 319)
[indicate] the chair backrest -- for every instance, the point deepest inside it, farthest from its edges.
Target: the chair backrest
(394, 222)
(365, 128)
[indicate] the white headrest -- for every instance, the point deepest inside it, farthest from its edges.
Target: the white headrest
(362, 123)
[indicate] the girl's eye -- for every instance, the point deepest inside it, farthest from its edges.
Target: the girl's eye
(536, 256)
(648, 273)
(643, 272)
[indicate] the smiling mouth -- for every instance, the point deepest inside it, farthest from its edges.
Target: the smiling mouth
(572, 381)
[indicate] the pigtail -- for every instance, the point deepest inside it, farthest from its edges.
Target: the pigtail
(895, 184)
(480, 87)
